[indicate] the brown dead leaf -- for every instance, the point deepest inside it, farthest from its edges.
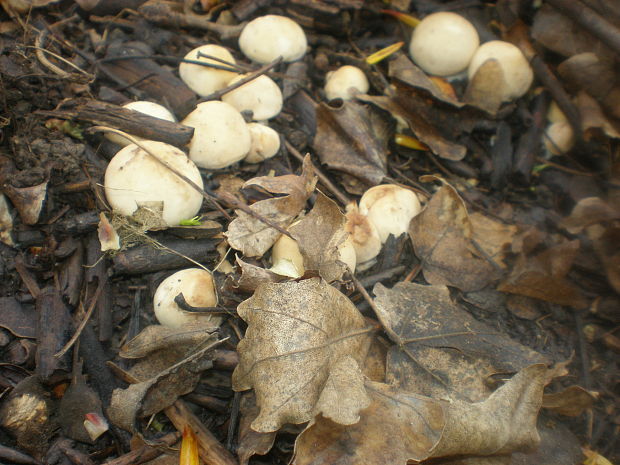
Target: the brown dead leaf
(606, 244)
(403, 69)
(301, 353)
(251, 442)
(252, 236)
(441, 350)
(318, 235)
(560, 34)
(353, 139)
(427, 122)
(487, 87)
(572, 401)
(592, 116)
(155, 394)
(587, 212)
(597, 76)
(400, 426)
(253, 276)
(396, 427)
(442, 237)
(108, 236)
(18, 319)
(543, 276)
(493, 237)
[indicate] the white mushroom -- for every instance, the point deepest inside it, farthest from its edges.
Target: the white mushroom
(363, 234)
(518, 74)
(202, 79)
(559, 138)
(198, 290)
(347, 254)
(286, 258)
(133, 177)
(443, 43)
(221, 136)
(345, 82)
(262, 96)
(390, 209)
(268, 37)
(148, 108)
(265, 143)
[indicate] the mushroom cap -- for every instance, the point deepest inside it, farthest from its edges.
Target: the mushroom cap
(286, 258)
(262, 96)
(347, 254)
(559, 138)
(134, 177)
(363, 234)
(343, 83)
(517, 71)
(267, 37)
(221, 136)
(197, 288)
(390, 209)
(443, 43)
(265, 143)
(148, 108)
(204, 80)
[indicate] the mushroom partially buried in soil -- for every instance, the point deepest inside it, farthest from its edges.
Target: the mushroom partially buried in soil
(345, 82)
(148, 108)
(198, 290)
(363, 235)
(389, 208)
(443, 44)
(133, 177)
(261, 96)
(518, 74)
(221, 136)
(268, 37)
(202, 79)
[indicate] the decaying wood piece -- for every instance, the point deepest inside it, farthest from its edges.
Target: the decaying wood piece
(147, 77)
(130, 121)
(148, 258)
(53, 331)
(146, 452)
(95, 276)
(107, 7)
(210, 449)
(171, 14)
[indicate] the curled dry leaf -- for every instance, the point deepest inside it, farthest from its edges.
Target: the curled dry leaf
(487, 87)
(572, 401)
(155, 394)
(252, 236)
(425, 119)
(403, 69)
(441, 350)
(318, 235)
(108, 236)
(443, 239)
(353, 139)
(301, 353)
(542, 276)
(400, 426)
(253, 276)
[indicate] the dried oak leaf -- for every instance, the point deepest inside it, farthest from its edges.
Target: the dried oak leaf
(487, 87)
(302, 354)
(441, 350)
(443, 239)
(543, 276)
(251, 235)
(318, 235)
(353, 139)
(155, 394)
(400, 426)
